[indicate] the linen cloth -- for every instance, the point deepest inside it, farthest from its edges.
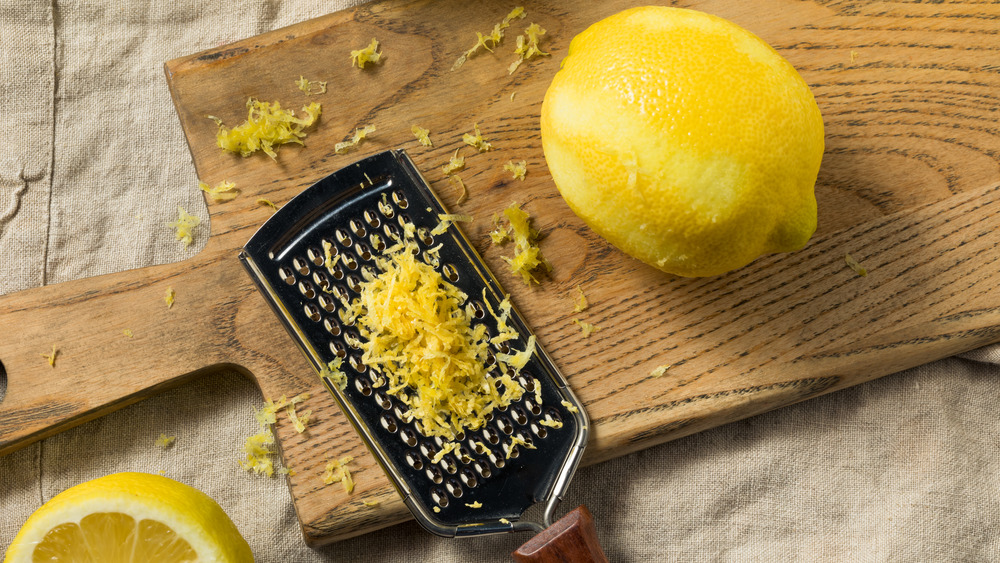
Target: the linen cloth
(905, 468)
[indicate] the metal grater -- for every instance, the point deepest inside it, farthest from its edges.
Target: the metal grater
(377, 196)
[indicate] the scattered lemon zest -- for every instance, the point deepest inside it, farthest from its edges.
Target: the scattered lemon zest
(512, 95)
(586, 327)
(858, 268)
(569, 406)
(259, 448)
(499, 234)
(266, 128)
(287, 471)
(518, 170)
(169, 297)
(465, 191)
(422, 135)
(494, 37)
(437, 509)
(51, 357)
(475, 504)
(336, 470)
(358, 136)
(581, 301)
(504, 521)
(128, 333)
(266, 203)
(854, 56)
(225, 191)
(514, 442)
(184, 225)
(527, 256)
(660, 370)
(333, 372)
(455, 164)
(551, 423)
(477, 140)
(527, 46)
(367, 502)
(165, 441)
(299, 420)
(446, 449)
(446, 220)
(309, 87)
(369, 54)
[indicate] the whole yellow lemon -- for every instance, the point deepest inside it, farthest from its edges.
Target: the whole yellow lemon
(684, 140)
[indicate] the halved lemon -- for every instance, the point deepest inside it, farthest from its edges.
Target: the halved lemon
(129, 517)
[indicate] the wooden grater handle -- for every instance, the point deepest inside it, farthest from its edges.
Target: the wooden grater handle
(572, 538)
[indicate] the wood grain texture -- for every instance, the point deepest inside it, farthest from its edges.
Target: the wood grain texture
(908, 186)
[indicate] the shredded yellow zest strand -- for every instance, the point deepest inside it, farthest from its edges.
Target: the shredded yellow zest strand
(416, 333)
(299, 420)
(581, 301)
(493, 37)
(422, 135)
(266, 128)
(446, 220)
(514, 442)
(660, 370)
(475, 504)
(512, 94)
(551, 423)
(223, 192)
(569, 406)
(336, 470)
(367, 502)
(587, 328)
(499, 234)
(266, 203)
(169, 297)
(455, 164)
(477, 140)
(369, 54)
(333, 372)
(51, 357)
(527, 46)
(465, 191)
(259, 448)
(858, 268)
(309, 87)
(287, 471)
(128, 333)
(165, 441)
(518, 170)
(504, 521)
(437, 509)
(359, 135)
(184, 225)
(527, 255)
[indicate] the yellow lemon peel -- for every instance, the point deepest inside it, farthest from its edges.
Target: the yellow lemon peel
(266, 128)
(369, 54)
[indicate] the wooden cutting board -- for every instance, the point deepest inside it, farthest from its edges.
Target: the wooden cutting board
(908, 186)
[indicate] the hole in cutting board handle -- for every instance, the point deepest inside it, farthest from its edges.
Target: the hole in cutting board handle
(3, 382)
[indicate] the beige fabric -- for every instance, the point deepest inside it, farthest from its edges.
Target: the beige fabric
(906, 468)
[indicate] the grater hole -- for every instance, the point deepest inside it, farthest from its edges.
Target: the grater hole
(338, 272)
(350, 261)
(539, 430)
(363, 251)
(478, 310)
(512, 451)
(339, 292)
(372, 219)
(496, 460)
(287, 275)
(327, 303)
(477, 446)
(454, 487)
(356, 364)
(503, 423)
(400, 199)
(363, 387)
(428, 448)
(315, 255)
(413, 460)
(358, 228)
(391, 231)
(526, 438)
(449, 464)
(468, 478)
(331, 326)
(400, 412)
(307, 289)
(377, 379)
(343, 238)
(527, 382)
(519, 416)
(459, 436)
(491, 435)
(535, 409)
(383, 400)
(386, 209)
(490, 359)
(322, 280)
(352, 339)
(354, 283)
(388, 422)
(502, 348)
(439, 496)
(450, 272)
(409, 437)
(301, 265)
(312, 311)
(463, 455)
(482, 469)
(553, 415)
(425, 236)
(337, 348)
(368, 272)
(377, 242)
(435, 474)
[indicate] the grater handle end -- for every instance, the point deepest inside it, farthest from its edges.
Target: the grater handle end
(572, 538)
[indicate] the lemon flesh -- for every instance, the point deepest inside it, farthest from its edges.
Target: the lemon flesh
(129, 517)
(684, 140)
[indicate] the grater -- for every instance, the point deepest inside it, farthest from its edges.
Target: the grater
(355, 212)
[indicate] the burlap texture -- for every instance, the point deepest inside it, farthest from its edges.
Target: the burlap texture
(906, 468)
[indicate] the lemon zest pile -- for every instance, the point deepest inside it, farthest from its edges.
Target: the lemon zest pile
(165, 441)
(446, 220)
(858, 268)
(51, 357)
(587, 328)
(259, 448)
(223, 192)
(494, 37)
(569, 406)
(527, 256)
(527, 46)
(455, 164)
(267, 127)
(581, 301)
(309, 87)
(477, 140)
(358, 136)
(369, 54)
(422, 135)
(169, 297)
(336, 470)
(465, 191)
(266, 203)
(518, 170)
(184, 225)
(660, 370)
(415, 332)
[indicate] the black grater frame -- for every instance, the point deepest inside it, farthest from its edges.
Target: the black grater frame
(287, 244)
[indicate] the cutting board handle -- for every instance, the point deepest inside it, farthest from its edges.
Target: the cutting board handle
(572, 538)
